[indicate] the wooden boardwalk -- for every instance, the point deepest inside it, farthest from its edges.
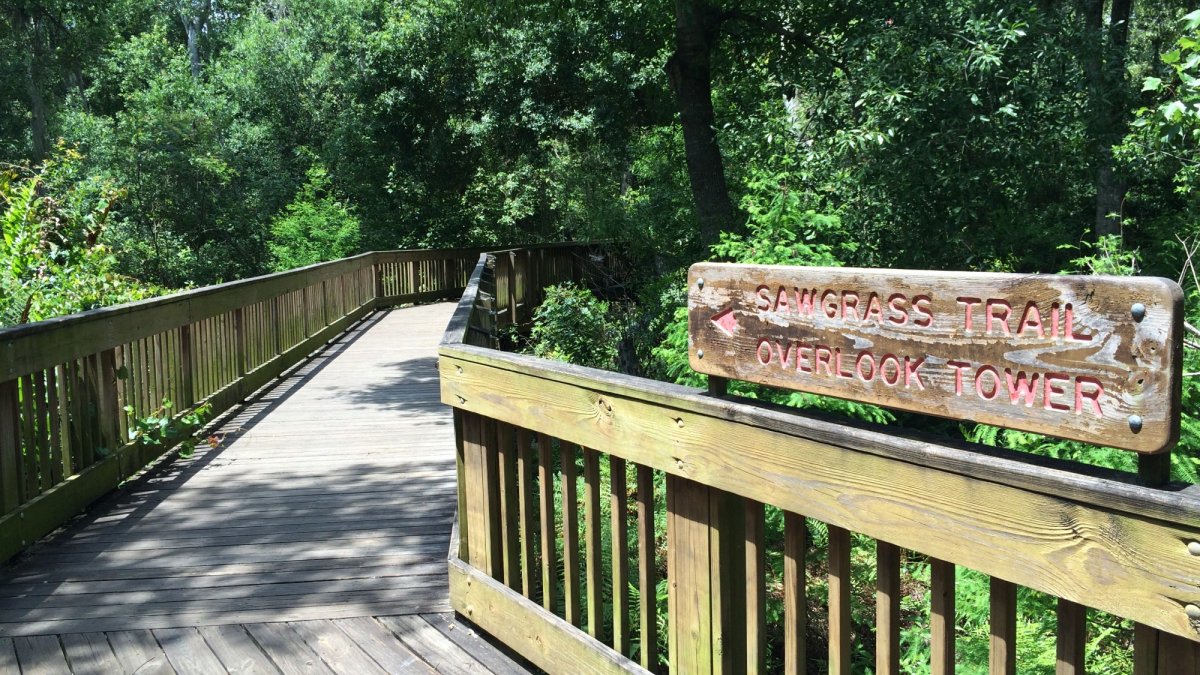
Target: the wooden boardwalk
(313, 539)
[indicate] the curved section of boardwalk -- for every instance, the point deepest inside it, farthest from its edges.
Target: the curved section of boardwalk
(312, 539)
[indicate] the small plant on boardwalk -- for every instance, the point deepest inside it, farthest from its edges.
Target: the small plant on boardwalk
(162, 429)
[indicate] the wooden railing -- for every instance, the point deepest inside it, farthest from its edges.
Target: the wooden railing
(560, 469)
(65, 383)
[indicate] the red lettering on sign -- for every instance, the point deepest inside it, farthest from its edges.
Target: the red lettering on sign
(1001, 310)
(823, 356)
(912, 371)
(896, 302)
(1032, 319)
(858, 366)
(1022, 386)
(831, 307)
(849, 304)
(1069, 331)
(1054, 320)
(921, 304)
(764, 342)
(781, 299)
(988, 394)
(763, 301)
(838, 365)
(959, 367)
(785, 355)
(969, 304)
(1093, 395)
(894, 379)
(1052, 389)
(874, 308)
(802, 359)
(804, 301)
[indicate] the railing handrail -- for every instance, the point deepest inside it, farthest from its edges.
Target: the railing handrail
(66, 383)
(1090, 536)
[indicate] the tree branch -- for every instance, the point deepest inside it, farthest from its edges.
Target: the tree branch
(775, 28)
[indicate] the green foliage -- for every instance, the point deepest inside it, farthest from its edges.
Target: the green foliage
(779, 232)
(163, 429)
(52, 261)
(317, 226)
(573, 325)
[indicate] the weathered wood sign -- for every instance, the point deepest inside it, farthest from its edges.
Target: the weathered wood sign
(1088, 358)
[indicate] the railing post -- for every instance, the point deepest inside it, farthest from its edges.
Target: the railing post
(1156, 652)
(239, 342)
(377, 276)
(10, 448)
(107, 400)
(705, 570)
(185, 365)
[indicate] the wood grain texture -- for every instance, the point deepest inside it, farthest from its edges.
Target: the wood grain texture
(647, 584)
(756, 587)
(1112, 556)
(887, 609)
(1002, 653)
(618, 509)
(570, 520)
(283, 520)
(942, 621)
(841, 640)
(832, 330)
(1072, 638)
(548, 641)
(548, 533)
(795, 602)
(693, 647)
(593, 571)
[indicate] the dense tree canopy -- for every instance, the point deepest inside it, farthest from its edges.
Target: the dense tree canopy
(944, 133)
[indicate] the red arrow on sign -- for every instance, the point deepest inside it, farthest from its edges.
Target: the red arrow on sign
(726, 320)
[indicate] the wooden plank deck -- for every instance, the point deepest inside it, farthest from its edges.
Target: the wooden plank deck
(313, 539)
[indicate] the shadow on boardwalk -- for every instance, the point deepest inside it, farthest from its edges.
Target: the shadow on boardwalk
(313, 538)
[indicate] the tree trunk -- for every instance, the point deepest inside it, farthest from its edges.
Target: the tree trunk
(34, 68)
(195, 19)
(1104, 65)
(690, 74)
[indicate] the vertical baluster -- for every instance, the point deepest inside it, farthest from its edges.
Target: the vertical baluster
(239, 344)
(1072, 638)
(41, 430)
(549, 555)
(795, 604)
(10, 448)
(839, 600)
(154, 395)
(28, 440)
(1002, 655)
(509, 523)
(593, 562)
(756, 587)
(63, 376)
(161, 372)
(304, 304)
(58, 469)
(186, 380)
(942, 616)
(570, 510)
(647, 585)
(528, 512)
(887, 608)
(618, 507)
(87, 396)
(481, 495)
(460, 471)
(107, 410)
